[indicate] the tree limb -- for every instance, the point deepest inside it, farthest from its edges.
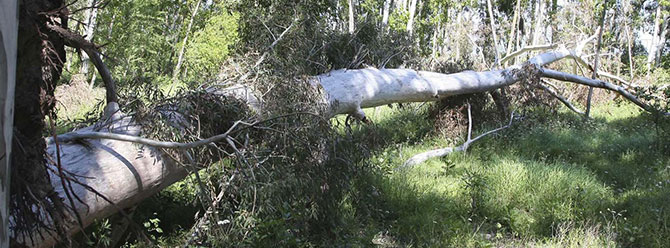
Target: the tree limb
(77, 41)
(559, 97)
(422, 157)
(527, 49)
(598, 84)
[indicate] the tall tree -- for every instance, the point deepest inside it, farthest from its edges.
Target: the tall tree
(657, 36)
(493, 31)
(352, 22)
(180, 58)
(8, 34)
(412, 14)
(386, 14)
(601, 23)
(91, 16)
(513, 28)
(537, 30)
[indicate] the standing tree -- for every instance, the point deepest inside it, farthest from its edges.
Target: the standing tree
(8, 33)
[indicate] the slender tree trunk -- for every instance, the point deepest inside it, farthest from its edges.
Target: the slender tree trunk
(493, 31)
(597, 57)
(352, 22)
(537, 30)
(512, 36)
(180, 59)
(630, 51)
(385, 15)
(457, 42)
(436, 32)
(8, 45)
(91, 16)
(651, 55)
(410, 21)
(109, 36)
(661, 42)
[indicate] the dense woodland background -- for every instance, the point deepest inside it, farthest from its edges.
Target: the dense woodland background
(554, 178)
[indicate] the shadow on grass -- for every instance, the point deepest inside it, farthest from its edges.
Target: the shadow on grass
(610, 171)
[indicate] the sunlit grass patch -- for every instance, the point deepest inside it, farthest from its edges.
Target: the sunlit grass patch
(528, 185)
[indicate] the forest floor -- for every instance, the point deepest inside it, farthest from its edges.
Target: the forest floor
(551, 180)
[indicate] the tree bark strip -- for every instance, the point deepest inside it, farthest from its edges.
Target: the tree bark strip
(8, 45)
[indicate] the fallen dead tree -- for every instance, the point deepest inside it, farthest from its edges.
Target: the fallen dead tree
(109, 167)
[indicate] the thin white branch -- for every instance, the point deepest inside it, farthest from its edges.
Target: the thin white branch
(527, 49)
(604, 74)
(422, 157)
(469, 122)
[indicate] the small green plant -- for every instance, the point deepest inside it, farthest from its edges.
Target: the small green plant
(101, 234)
(474, 184)
(447, 167)
(153, 227)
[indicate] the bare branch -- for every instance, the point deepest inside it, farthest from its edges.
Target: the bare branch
(604, 74)
(527, 49)
(422, 157)
(77, 41)
(144, 141)
(598, 84)
(559, 97)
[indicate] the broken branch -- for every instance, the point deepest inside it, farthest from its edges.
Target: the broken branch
(422, 157)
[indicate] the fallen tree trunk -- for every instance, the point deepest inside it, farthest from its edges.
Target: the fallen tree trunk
(115, 173)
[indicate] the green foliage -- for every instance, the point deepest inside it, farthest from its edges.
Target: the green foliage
(296, 179)
(101, 234)
(527, 185)
(211, 46)
(141, 40)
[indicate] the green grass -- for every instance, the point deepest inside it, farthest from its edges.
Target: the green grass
(551, 180)
(557, 183)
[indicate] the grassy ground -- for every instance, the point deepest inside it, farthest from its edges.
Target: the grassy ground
(551, 180)
(548, 182)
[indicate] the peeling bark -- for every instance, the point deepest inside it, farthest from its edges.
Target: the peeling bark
(8, 44)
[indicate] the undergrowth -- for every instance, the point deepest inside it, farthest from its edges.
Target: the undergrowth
(560, 183)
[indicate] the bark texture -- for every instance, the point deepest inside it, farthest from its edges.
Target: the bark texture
(8, 33)
(40, 59)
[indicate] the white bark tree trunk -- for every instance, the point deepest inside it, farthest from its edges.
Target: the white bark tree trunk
(386, 14)
(91, 16)
(651, 55)
(8, 45)
(493, 31)
(629, 37)
(352, 22)
(661, 43)
(180, 59)
(126, 173)
(410, 21)
(537, 30)
(514, 27)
